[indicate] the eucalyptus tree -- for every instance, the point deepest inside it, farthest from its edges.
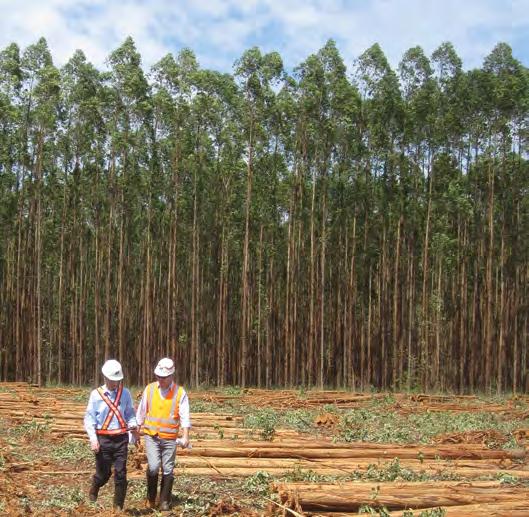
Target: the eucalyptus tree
(381, 121)
(421, 97)
(339, 220)
(257, 74)
(209, 111)
(173, 89)
(80, 200)
(507, 90)
(10, 116)
(222, 199)
(40, 99)
(131, 177)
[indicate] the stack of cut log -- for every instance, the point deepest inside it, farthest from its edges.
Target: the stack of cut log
(289, 399)
(222, 446)
(461, 499)
(292, 399)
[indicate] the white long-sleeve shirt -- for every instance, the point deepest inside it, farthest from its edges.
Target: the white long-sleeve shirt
(183, 408)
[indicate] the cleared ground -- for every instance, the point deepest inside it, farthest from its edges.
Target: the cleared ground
(261, 452)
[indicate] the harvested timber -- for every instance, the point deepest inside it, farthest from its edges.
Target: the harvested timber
(245, 466)
(349, 497)
(516, 508)
(301, 440)
(325, 471)
(322, 467)
(291, 399)
(184, 457)
(223, 448)
(364, 485)
(427, 398)
(390, 452)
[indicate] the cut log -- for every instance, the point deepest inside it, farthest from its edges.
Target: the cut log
(350, 497)
(516, 508)
(403, 452)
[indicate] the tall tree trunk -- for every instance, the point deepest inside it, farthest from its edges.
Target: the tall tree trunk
(246, 265)
(38, 246)
(489, 283)
(425, 326)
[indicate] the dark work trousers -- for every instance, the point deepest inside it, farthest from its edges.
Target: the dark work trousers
(112, 450)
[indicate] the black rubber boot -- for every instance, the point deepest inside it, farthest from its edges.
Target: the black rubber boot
(152, 489)
(120, 491)
(166, 492)
(93, 492)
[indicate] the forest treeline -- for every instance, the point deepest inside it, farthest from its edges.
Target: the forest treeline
(363, 227)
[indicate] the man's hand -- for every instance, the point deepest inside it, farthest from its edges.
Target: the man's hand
(94, 445)
(185, 438)
(136, 434)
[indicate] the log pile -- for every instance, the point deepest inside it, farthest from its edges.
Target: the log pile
(349, 498)
(289, 399)
(292, 399)
(405, 403)
(515, 508)
(224, 448)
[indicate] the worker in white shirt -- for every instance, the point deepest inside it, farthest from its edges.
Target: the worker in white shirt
(108, 419)
(162, 413)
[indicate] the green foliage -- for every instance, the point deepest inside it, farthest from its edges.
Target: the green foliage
(136, 490)
(72, 450)
(219, 430)
(5, 389)
(196, 495)
(81, 397)
(258, 483)
(393, 472)
(377, 425)
(506, 478)
(63, 498)
(300, 474)
(201, 406)
(232, 390)
(263, 420)
(32, 429)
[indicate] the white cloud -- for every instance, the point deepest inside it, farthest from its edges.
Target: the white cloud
(220, 30)
(474, 26)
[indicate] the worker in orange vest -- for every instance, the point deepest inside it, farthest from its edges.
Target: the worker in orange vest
(162, 413)
(108, 421)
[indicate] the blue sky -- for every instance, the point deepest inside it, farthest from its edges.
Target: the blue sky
(218, 31)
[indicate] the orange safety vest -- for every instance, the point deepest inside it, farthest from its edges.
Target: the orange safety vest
(113, 410)
(162, 416)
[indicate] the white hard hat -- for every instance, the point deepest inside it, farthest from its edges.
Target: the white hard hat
(164, 368)
(112, 370)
